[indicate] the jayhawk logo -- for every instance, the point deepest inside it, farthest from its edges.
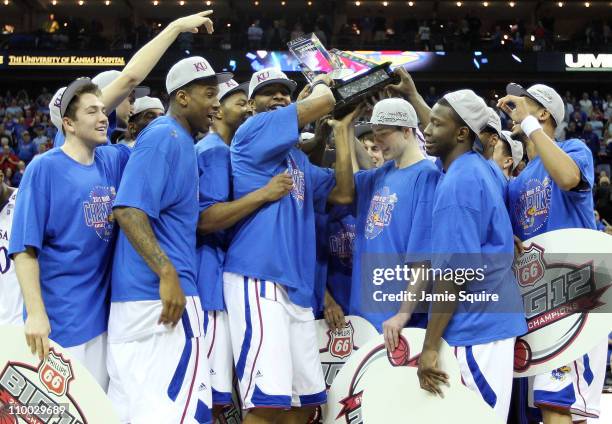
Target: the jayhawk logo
(380, 212)
(299, 186)
(534, 205)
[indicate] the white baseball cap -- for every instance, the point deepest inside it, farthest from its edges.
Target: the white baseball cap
(516, 148)
(470, 107)
(394, 112)
(145, 103)
(54, 108)
(191, 69)
(269, 76)
(494, 121)
(544, 95)
(230, 87)
(103, 79)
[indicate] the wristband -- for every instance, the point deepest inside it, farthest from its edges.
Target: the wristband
(529, 125)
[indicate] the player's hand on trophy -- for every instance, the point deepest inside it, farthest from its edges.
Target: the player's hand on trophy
(279, 186)
(191, 23)
(430, 376)
(171, 295)
(334, 316)
(348, 120)
(37, 329)
(325, 78)
(405, 88)
(392, 329)
(515, 107)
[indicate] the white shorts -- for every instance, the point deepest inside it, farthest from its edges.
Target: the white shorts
(575, 388)
(218, 346)
(163, 378)
(92, 355)
(487, 369)
(275, 345)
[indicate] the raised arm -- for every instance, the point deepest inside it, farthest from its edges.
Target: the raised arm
(223, 215)
(147, 57)
(319, 103)
(136, 226)
(407, 89)
(37, 327)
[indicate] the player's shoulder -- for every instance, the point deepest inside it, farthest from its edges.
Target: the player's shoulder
(112, 151)
(160, 132)
(573, 145)
(49, 159)
(428, 169)
(211, 143)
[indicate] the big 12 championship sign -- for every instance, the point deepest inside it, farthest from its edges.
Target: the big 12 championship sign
(56, 390)
(565, 278)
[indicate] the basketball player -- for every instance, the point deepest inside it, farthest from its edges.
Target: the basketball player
(11, 301)
(468, 201)
(156, 320)
(146, 109)
(270, 264)
(119, 89)
(393, 221)
(490, 135)
(563, 173)
(218, 213)
(508, 154)
(63, 233)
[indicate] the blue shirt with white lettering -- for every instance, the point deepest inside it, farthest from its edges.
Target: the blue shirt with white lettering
(472, 230)
(64, 211)
(214, 169)
(341, 238)
(278, 242)
(160, 179)
(536, 203)
(393, 228)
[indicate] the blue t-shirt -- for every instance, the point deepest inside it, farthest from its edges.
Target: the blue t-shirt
(393, 228)
(502, 181)
(214, 169)
(471, 229)
(64, 210)
(59, 139)
(277, 243)
(536, 203)
(161, 179)
(341, 238)
(318, 302)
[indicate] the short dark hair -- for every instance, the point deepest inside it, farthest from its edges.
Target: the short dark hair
(74, 103)
(458, 120)
(506, 147)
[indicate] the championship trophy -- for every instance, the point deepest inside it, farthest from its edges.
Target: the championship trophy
(349, 88)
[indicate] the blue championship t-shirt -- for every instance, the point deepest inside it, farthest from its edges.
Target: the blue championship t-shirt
(214, 169)
(536, 203)
(393, 228)
(277, 243)
(341, 238)
(64, 211)
(161, 179)
(472, 230)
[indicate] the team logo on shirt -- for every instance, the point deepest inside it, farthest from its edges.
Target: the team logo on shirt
(533, 205)
(341, 244)
(298, 189)
(98, 211)
(380, 212)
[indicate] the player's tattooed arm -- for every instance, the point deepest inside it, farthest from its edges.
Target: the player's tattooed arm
(137, 228)
(429, 373)
(319, 103)
(37, 327)
(223, 215)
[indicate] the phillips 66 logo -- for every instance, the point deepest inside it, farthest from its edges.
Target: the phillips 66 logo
(559, 291)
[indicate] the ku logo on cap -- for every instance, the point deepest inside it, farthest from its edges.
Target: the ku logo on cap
(231, 83)
(58, 101)
(263, 76)
(200, 66)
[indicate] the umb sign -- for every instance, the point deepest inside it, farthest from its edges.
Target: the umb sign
(57, 390)
(565, 279)
(588, 62)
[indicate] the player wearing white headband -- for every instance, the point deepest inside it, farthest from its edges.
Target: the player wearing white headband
(553, 192)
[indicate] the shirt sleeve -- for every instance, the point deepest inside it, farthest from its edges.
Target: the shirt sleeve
(146, 177)
(214, 173)
(31, 210)
(581, 155)
(265, 139)
(323, 182)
